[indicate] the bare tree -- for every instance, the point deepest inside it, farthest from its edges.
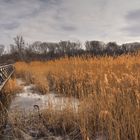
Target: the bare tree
(69, 47)
(2, 47)
(44, 48)
(53, 47)
(19, 46)
(95, 47)
(112, 48)
(131, 47)
(19, 43)
(35, 47)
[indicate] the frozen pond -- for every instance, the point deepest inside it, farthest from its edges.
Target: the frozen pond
(27, 99)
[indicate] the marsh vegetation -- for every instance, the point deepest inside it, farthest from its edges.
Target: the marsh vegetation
(106, 91)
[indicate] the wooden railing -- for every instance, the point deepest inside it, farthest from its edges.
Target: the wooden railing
(6, 72)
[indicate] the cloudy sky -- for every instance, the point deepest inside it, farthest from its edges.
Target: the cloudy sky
(54, 20)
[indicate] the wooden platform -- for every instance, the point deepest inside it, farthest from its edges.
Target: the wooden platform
(6, 72)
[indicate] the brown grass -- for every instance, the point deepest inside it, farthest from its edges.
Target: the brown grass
(108, 90)
(11, 87)
(6, 94)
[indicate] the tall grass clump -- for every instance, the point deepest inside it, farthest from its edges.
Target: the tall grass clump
(6, 95)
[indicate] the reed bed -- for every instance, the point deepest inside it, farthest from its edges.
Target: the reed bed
(108, 89)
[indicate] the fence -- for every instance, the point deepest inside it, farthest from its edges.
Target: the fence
(6, 72)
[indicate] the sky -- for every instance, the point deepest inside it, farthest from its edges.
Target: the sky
(55, 20)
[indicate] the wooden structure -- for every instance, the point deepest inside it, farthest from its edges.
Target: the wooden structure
(6, 72)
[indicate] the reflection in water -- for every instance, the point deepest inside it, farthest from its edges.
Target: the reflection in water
(27, 99)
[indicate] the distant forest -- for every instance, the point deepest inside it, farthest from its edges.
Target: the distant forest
(21, 51)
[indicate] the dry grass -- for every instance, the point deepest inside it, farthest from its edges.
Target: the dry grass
(11, 87)
(108, 89)
(6, 94)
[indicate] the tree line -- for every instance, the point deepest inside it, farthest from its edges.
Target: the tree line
(22, 51)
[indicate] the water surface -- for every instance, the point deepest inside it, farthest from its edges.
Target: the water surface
(28, 98)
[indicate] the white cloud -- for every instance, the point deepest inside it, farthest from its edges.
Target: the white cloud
(54, 20)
